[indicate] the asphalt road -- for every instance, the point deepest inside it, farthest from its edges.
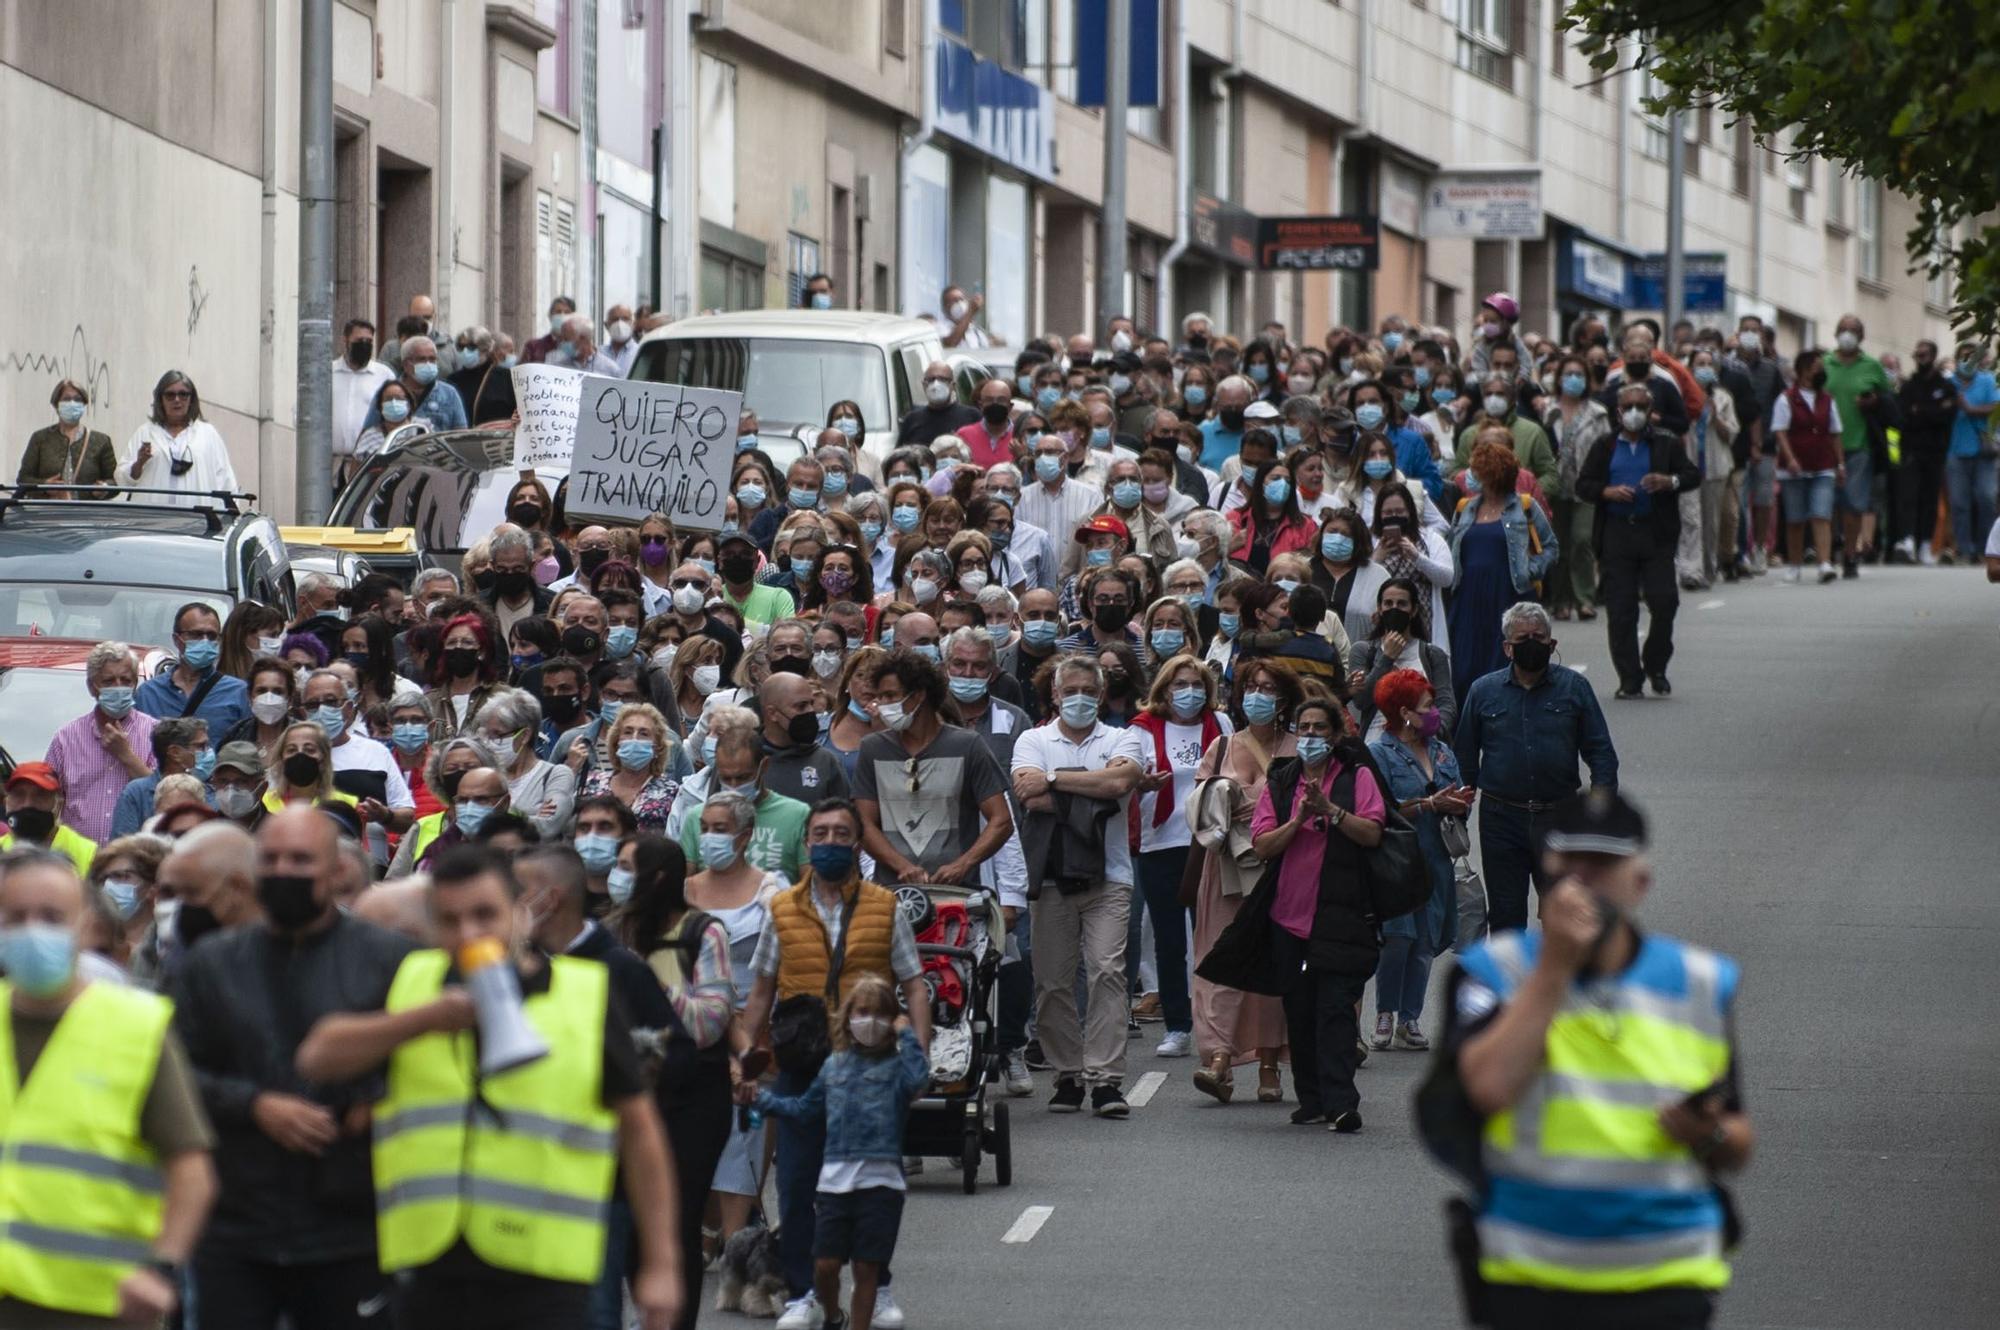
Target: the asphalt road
(1821, 787)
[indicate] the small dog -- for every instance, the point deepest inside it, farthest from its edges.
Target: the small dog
(752, 1281)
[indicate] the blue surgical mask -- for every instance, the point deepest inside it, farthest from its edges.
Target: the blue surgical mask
(1291, 435)
(746, 442)
(1260, 373)
(470, 817)
(331, 719)
(1288, 585)
(123, 893)
(1277, 491)
(1313, 749)
(204, 765)
(599, 852)
(619, 639)
(1125, 494)
(1079, 711)
(1337, 547)
(1025, 383)
(1392, 342)
(1260, 708)
(607, 710)
(834, 485)
(872, 530)
(636, 754)
(750, 496)
(1039, 632)
(1444, 394)
(1046, 398)
(801, 570)
(395, 410)
(849, 426)
(1411, 401)
(70, 412)
(718, 848)
(509, 360)
(835, 863)
(39, 958)
(999, 632)
(1369, 415)
(1166, 641)
(1704, 375)
(410, 737)
(468, 357)
(426, 373)
(1423, 373)
(1097, 558)
(886, 638)
(618, 884)
(859, 712)
(1228, 623)
(706, 565)
(1574, 384)
(929, 651)
(821, 300)
(967, 690)
(802, 498)
(1195, 395)
(1100, 436)
(201, 654)
(1188, 700)
(1048, 466)
(904, 517)
(1377, 468)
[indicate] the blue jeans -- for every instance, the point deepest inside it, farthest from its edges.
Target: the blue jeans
(1969, 485)
(1017, 990)
(1809, 498)
(1507, 840)
(1402, 976)
(1857, 492)
(1159, 873)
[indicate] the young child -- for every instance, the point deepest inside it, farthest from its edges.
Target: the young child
(863, 1094)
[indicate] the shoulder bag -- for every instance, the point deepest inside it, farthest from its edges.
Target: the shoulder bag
(801, 1026)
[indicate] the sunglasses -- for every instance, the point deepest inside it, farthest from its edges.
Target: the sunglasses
(176, 395)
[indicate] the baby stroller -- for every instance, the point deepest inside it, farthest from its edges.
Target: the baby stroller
(960, 932)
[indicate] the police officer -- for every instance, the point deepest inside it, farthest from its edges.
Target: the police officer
(1603, 1062)
(104, 1148)
(492, 1190)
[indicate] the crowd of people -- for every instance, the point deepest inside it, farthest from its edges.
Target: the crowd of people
(1153, 640)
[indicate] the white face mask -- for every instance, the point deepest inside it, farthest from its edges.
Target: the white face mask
(893, 716)
(706, 678)
(869, 1031)
(1847, 340)
(270, 708)
(936, 393)
(1496, 405)
(826, 664)
(689, 599)
(972, 583)
(1635, 418)
(621, 331)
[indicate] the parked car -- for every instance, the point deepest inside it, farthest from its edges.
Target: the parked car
(343, 566)
(447, 489)
(42, 689)
(791, 365)
(118, 570)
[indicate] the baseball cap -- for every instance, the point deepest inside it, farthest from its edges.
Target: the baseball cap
(240, 756)
(728, 536)
(1106, 524)
(1598, 821)
(39, 774)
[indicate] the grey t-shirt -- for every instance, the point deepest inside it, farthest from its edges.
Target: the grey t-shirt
(938, 820)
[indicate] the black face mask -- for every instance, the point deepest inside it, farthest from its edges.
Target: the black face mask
(288, 901)
(484, 580)
(302, 770)
(738, 568)
(525, 514)
(1232, 417)
(1819, 378)
(461, 662)
(561, 710)
(360, 353)
(592, 560)
(193, 923)
(1396, 621)
(513, 586)
(581, 641)
(1110, 618)
(803, 728)
(789, 665)
(33, 824)
(994, 414)
(1532, 654)
(448, 782)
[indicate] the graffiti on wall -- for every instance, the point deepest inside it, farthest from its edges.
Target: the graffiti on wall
(79, 363)
(197, 303)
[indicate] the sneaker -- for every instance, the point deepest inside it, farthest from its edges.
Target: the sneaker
(1409, 1036)
(1068, 1097)
(1828, 573)
(1019, 1080)
(1346, 1124)
(1034, 1059)
(1926, 556)
(1627, 692)
(802, 1314)
(1849, 569)
(836, 1321)
(1303, 1116)
(888, 1316)
(1385, 1030)
(1906, 549)
(1177, 1044)
(1791, 577)
(1147, 1008)
(1108, 1101)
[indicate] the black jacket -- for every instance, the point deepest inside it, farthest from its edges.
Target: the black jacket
(1667, 402)
(1669, 458)
(1930, 405)
(243, 1002)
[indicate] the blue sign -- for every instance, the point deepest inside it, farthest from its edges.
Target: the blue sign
(1594, 271)
(1144, 84)
(1001, 114)
(1704, 283)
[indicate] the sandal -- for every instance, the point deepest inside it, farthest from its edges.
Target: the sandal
(1269, 1091)
(1213, 1078)
(1586, 614)
(1562, 613)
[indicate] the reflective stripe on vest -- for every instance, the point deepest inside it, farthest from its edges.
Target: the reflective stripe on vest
(1587, 1193)
(523, 1172)
(81, 1197)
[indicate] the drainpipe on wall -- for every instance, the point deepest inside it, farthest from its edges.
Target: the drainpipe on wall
(1163, 291)
(268, 452)
(683, 223)
(447, 214)
(926, 130)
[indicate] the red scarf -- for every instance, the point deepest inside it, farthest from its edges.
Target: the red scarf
(1163, 802)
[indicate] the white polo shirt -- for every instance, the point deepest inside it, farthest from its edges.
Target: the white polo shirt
(1047, 749)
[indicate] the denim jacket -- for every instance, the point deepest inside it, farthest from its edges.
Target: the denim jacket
(1524, 743)
(1526, 567)
(863, 1099)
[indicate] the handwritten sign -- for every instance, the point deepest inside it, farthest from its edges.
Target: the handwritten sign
(644, 448)
(547, 396)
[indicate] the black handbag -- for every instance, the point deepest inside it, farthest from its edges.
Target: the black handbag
(802, 1024)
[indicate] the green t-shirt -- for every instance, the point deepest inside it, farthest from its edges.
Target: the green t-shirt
(1847, 383)
(764, 606)
(777, 845)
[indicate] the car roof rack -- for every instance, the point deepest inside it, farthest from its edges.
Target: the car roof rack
(234, 504)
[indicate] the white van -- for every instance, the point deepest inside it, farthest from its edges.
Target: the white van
(791, 365)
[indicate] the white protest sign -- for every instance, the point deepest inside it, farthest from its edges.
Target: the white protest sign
(644, 448)
(546, 396)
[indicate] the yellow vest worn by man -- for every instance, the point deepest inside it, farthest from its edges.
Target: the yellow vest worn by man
(81, 1195)
(522, 1171)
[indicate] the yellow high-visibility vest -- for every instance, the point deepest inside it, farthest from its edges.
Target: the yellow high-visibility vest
(523, 1169)
(72, 844)
(81, 1195)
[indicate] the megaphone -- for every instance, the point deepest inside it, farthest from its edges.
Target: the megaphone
(506, 1039)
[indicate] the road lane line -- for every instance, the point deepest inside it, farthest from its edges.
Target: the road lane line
(1148, 1086)
(1709, 605)
(1029, 1224)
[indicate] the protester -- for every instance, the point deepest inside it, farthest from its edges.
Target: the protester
(1503, 547)
(93, 756)
(176, 453)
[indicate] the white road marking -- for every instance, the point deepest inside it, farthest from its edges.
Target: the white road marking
(1029, 1224)
(1148, 1086)
(1709, 605)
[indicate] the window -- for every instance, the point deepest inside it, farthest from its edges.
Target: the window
(1836, 198)
(1558, 41)
(1485, 39)
(801, 262)
(1746, 144)
(553, 66)
(1798, 179)
(1937, 285)
(1652, 128)
(1868, 228)
(895, 23)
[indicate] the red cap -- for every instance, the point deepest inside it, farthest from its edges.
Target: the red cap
(39, 774)
(1107, 524)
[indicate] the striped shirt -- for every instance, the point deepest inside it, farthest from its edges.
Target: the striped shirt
(92, 778)
(1061, 513)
